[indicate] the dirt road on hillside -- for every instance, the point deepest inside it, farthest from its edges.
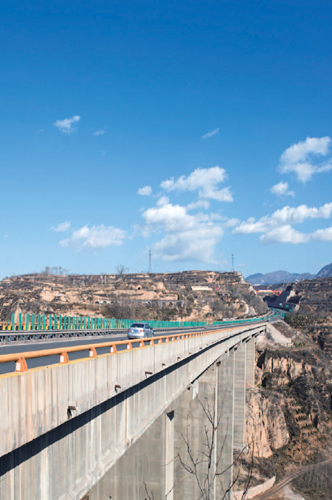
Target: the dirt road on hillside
(300, 471)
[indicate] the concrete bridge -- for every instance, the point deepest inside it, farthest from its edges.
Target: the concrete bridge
(112, 425)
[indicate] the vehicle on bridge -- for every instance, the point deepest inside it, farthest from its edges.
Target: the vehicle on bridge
(140, 330)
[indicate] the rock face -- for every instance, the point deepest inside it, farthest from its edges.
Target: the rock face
(314, 297)
(266, 427)
(289, 412)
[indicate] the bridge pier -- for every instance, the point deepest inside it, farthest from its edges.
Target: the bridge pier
(214, 390)
(190, 439)
(240, 394)
(250, 361)
(225, 432)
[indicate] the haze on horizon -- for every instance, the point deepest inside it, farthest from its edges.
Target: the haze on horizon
(197, 130)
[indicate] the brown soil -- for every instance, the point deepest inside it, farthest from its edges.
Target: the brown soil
(301, 375)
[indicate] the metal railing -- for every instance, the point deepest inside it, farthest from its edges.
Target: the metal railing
(20, 359)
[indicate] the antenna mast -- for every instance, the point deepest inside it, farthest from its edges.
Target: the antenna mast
(232, 263)
(150, 267)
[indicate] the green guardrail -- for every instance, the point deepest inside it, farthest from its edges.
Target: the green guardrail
(53, 322)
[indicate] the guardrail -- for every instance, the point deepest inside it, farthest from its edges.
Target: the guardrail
(20, 359)
(22, 335)
(42, 322)
(33, 335)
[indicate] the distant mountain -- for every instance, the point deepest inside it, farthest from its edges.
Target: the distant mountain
(254, 277)
(278, 277)
(325, 272)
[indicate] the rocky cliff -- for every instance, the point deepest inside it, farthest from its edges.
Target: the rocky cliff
(289, 411)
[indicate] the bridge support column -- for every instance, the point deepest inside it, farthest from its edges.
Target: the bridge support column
(190, 438)
(240, 395)
(225, 431)
(214, 391)
(250, 361)
(169, 456)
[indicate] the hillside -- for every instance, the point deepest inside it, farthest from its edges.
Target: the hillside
(314, 298)
(289, 410)
(178, 296)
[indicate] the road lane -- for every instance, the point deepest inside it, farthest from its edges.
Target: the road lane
(40, 345)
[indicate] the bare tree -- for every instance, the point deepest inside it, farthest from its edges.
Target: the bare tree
(121, 269)
(204, 466)
(148, 492)
(54, 270)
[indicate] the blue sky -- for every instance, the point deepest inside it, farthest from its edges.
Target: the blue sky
(217, 112)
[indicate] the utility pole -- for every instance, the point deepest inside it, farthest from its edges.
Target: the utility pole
(232, 263)
(150, 267)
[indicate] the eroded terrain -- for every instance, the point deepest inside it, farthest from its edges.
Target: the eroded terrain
(186, 296)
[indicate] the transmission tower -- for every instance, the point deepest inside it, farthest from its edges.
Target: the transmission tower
(232, 263)
(150, 267)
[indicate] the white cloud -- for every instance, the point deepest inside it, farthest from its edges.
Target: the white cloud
(199, 204)
(281, 189)
(284, 234)
(286, 215)
(188, 237)
(277, 228)
(203, 179)
(99, 132)
(231, 223)
(64, 226)
(66, 125)
(299, 158)
(94, 238)
(323, 234)
(210, 134)
(163, 200)
(145, 191)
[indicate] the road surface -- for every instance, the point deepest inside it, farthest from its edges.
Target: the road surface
(31, 345)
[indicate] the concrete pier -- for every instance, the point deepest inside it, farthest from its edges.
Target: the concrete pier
(250, 361)
(225, 441)
(192, 429)
(240, 394)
